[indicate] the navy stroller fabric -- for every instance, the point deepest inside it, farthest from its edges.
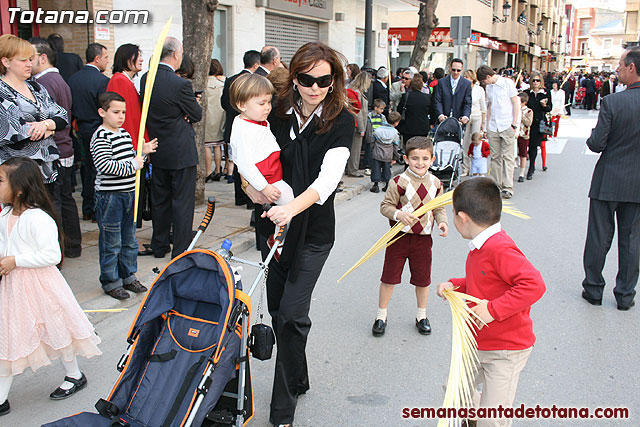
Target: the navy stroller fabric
(180, 328)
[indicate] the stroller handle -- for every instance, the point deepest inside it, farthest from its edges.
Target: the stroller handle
(211, 207)
(282, 230)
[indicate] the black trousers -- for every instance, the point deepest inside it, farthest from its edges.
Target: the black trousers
(88, 176)
(590, 101)
(65, 205)
(240, 197)
(568, 99)
(599, 237)
(535, 139)
(289, 303)
(173, 193)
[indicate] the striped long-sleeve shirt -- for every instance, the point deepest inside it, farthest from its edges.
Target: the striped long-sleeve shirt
(114, 158)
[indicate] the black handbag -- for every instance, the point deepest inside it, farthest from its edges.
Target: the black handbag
(146, 196)
(546, 128)
(262, 339)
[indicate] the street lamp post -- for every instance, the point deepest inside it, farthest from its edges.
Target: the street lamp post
(506, 12)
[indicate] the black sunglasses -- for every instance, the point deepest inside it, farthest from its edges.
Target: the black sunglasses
(456, 70)
(535, 80)
(406, 78)
(307, 80)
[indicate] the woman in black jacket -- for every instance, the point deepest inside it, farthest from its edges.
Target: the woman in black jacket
(414, 107)
(540, 103)
(314, 130)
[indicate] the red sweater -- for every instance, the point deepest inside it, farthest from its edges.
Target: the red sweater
(485, 149)
(123, 86)
(499, 272)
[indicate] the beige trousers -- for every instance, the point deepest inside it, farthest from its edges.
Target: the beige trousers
(503, 159)
(498, 373)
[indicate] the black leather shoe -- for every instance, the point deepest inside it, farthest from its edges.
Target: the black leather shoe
(626, 307)
(146, 252)
(590, 300)
(384, 188)
(59, 394)
(529, 176)
(5, 408)
(136, 287)
(544, 168)
(118, 293)
(521, 179)
(378, 328)
(424, 327)
(374, 188)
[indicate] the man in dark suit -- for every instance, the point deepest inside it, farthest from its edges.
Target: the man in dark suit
(609, 85)
(85, 86)
(452, 94)
(251, 61)
(381, 89)
(172, 109)
(67, 63)
(269, 60)
(615, 188)
(590, 95)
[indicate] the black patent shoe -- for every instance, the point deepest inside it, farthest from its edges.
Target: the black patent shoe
(5, 408)
(423, 326)
(59, 393)
(379, 326)
(590, 300)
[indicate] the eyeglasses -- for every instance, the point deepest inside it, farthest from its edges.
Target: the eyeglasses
(307, 80)
(535, 80)
(406, 78)
(456, 70)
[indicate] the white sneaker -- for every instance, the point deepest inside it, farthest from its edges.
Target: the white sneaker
(367, 172)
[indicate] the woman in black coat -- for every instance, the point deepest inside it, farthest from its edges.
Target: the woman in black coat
(314, 130)
(414, 107)
(540, 103)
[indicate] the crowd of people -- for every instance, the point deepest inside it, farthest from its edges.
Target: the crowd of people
(288, 135)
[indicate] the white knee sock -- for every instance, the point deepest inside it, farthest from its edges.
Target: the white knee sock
(421, 313)
(382, 314)
(71, 370)
(5, 386)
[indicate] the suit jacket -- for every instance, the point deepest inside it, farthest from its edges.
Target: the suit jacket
(85, 87)
(171, 101)
(607, 88)
(416, 106)
(68, 64)
(589, 84)
(445, 101)
(226, 105)
(616, 137)
(380, 92)
(262, 72)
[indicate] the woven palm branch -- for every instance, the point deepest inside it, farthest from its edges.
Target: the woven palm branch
(464, 355)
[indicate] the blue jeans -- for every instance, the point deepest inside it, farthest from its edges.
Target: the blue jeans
(118, 246)
(380, 171)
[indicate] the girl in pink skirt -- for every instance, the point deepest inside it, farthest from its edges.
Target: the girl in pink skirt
(40, 319)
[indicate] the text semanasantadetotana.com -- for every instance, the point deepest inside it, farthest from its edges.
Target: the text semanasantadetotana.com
(519, 412)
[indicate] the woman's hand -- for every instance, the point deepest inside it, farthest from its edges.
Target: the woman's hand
(37, 130)
(7, 264)
(543, 102)
(255, 195)
(150, 147)
(280, 215)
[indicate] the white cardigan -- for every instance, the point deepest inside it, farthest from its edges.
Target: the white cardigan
(33, 240)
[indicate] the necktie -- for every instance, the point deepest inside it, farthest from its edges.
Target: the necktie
(454, 83)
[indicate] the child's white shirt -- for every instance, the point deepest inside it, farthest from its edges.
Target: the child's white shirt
(33, 241)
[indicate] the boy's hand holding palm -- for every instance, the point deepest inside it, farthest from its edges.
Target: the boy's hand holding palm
(147, 147)
(407, 218)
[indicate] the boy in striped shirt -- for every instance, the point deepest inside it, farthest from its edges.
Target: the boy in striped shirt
(116, 165)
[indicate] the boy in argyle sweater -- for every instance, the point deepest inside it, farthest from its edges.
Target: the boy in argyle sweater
(406, 193)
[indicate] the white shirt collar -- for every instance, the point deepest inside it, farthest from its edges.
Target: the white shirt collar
(454, 80)
(317, 112)
(415, 174)
(267, 71)
(383, 83)
(478, 241)
(247, 70)
(48, 70)
(164, 63)
(91, 65)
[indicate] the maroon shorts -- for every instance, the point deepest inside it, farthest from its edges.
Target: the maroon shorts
(523, 146)
(417, 249)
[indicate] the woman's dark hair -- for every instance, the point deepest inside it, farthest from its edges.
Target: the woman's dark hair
(438, 73)
(126, 55)
(425, 76)
(416, 82)
(354, 70)
(215, 68)
(304, 60)
(187, 69)
(28, 189)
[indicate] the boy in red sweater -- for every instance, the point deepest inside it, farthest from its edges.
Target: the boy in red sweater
(499, 273)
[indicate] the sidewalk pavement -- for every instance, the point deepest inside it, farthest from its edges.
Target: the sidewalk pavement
(229, 222)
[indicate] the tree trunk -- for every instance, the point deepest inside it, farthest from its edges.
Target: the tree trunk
(428, 21)
(197, 40)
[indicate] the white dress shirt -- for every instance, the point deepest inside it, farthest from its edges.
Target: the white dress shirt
(482, 237)
(499, 97)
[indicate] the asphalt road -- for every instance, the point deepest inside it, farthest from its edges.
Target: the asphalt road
(585, 356)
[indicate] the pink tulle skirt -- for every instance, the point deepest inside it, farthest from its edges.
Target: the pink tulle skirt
(40, 321)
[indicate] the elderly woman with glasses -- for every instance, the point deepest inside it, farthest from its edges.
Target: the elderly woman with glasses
(540, 103)
(314, 130)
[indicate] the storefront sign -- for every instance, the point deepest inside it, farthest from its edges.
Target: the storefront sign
(443, 35)
(314, 8)
(103, 32)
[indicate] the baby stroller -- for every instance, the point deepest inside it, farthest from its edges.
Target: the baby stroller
(187, 363)
(581, 93)
(447, 148)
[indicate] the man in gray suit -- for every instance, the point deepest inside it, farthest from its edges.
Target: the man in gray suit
(615, 188)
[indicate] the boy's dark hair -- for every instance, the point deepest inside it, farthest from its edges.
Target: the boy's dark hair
(480, 199)
(394, 117)
(106, 98)
(419, 143)
(43, 46)
(523, 97)
(93, 50)
(250, 58)
(379, 103)
(56, 41)
(483, 72)
(125, 53)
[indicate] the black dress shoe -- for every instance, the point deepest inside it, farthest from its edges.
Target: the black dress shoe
(424, 327)
(544, 168)
(529, 176)
(157, 254)
(379, 326)
(59, 393)
(146, 252)
(626, 307)
(590, 300)
(357, 175)
(118, 293)
(374, 188)
(136, 287)
(521, 179)
(5, 408)
(384, 188)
